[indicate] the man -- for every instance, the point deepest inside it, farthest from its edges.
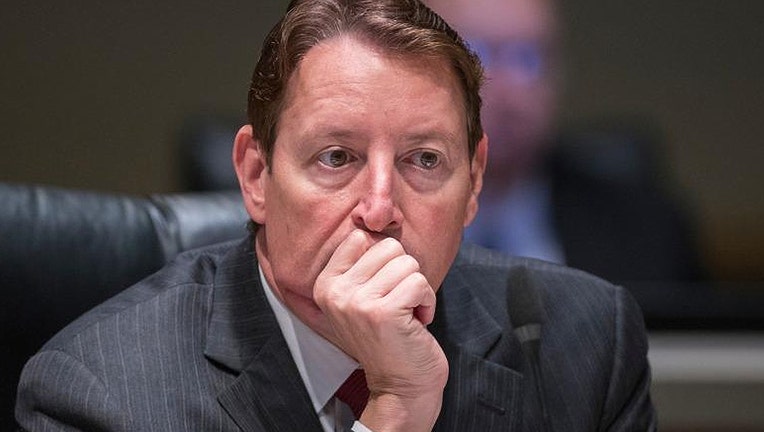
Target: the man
(362, 163)
(538, 201)
(517, 41)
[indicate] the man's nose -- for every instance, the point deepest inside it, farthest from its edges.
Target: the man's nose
(377, 209)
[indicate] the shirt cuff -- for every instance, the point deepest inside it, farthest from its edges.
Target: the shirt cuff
(359, 427)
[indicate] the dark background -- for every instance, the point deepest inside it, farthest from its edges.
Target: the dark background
(94, 94)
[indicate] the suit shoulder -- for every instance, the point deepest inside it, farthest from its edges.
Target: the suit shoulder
(485, 263)
(572, 299)
(566, 293)
(188, 276)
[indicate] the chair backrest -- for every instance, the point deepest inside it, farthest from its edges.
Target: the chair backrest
(64, 251)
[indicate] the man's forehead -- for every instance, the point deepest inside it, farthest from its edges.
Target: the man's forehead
(342, 59)
(340, 81)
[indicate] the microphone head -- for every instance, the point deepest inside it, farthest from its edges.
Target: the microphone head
(523, 303)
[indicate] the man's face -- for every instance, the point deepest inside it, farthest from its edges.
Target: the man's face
(365, 141)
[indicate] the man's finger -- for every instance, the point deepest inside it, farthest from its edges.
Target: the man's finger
(348, 252)
(393, 272)
(375, 259)
(415, 296)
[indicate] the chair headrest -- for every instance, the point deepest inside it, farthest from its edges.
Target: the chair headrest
(64, 251)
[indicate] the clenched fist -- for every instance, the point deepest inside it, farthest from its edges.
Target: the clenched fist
(378, 305)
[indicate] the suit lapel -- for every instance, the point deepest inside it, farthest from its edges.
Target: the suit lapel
(244, 336)
(269, 394)
(484, 390)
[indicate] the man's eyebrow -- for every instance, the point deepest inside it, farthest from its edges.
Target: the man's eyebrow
(327, 131)
(324, 133)
(431, 135)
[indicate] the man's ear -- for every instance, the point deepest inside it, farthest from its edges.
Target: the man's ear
(477, 169)
(251, 169)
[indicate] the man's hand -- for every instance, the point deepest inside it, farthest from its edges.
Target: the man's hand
(378, 305)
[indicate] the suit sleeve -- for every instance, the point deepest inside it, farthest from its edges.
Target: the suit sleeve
(58, 393)
(628, 406)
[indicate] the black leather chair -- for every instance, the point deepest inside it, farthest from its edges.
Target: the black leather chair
(64, 251)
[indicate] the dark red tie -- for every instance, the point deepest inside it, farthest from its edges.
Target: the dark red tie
(354, 392)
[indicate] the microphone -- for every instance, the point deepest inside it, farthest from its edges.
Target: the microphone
(526, 316)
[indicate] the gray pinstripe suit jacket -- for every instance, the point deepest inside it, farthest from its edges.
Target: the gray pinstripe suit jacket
(196, 347)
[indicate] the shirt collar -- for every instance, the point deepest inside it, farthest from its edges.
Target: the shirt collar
(322, 366)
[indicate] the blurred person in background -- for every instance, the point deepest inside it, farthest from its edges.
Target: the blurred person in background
(537, 200)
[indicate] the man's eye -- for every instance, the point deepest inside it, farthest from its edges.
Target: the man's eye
(335, 158)
(425, 159)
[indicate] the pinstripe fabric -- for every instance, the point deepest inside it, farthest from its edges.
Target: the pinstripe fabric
(196, 347)
(593, 350)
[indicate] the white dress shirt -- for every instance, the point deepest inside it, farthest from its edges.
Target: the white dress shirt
(322, 366)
